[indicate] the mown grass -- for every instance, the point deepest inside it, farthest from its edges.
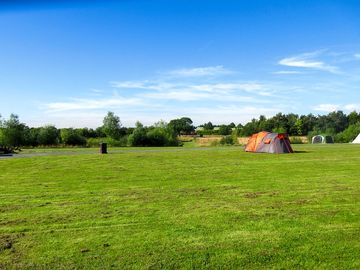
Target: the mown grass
(180, 208)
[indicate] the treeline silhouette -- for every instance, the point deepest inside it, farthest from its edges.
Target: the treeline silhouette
(14, 134)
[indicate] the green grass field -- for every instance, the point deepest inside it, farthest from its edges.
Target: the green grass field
(182, 208)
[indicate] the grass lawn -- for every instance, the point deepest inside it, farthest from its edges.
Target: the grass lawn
(184, 208)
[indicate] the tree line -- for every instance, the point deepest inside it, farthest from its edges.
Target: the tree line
(14, 134)
(342, 127)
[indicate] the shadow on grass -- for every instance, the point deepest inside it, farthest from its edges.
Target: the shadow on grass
(297, 151)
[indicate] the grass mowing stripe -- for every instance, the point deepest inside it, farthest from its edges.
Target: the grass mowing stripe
(165, 209)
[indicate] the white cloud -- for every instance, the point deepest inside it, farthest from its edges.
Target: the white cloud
(228, 87)
(200, 71)
(147, 85)
(287, 72)
(97, 91)
(178, 95)
(166, 87)
(352, 107)
(168, 97)
(326, 107)
(357, 55)
(336, 107)
(88, 104)
(307, 60)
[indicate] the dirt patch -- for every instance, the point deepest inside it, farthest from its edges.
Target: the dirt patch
(7, 241)
(252, 195)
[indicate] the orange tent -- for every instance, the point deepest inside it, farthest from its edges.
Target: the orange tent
(266, 142)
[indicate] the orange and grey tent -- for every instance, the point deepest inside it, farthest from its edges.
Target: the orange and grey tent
(266, 142)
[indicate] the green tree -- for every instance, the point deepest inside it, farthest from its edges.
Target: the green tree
(349, 134)
(70, 136)
(31, 136)
(298, 127)
(48, 135)
(336, 121)
(111, 126)
(224, 130)
(353, 118)
(250, 128)
(208, 126)
(182, 125)
(12, 132)
(138, 137)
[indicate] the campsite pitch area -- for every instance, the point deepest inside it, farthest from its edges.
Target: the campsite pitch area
(175, 208)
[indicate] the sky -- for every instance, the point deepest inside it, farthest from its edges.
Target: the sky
(68, 63)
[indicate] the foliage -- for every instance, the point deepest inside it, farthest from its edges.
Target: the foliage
(349, 134)
(224, 130)
(70, 136)
(227, 140)
(95, 142)
(111, 126)
(48, 135)
(353, 118)
(158, 135)
(182, 126)
(208, 126)
(12, 132)
(295, 125)
(15, 134)
(138, 137)
(89, 133)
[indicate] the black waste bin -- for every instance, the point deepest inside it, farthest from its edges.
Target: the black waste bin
(103, 148)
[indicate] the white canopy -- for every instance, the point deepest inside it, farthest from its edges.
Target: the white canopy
(357, 139)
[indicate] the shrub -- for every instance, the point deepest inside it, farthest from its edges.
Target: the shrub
(70, 136)
(227, 140)
(155, 136)
(224, 130)
(349, 134)
(138, 137)
(95, 142)
(48, 135)
(279, 130)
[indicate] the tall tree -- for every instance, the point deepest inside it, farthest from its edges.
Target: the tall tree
(353, 118)
(12, 132)
(208, 126)
(48, 135)
(111, 125)
(182, 125)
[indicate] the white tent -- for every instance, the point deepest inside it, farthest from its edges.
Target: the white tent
(322, 139)
(357, 139)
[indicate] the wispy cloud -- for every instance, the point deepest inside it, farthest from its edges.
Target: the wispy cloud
(352, 107)
(326, 107)
(181, 91)
(175, 86)
(88, 104)
(306, 60)
(336, 107)
(200, 71)
(357, 55)
(287, 72)
(195, 92)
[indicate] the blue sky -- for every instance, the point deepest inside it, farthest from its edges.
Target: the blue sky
(68, 63)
